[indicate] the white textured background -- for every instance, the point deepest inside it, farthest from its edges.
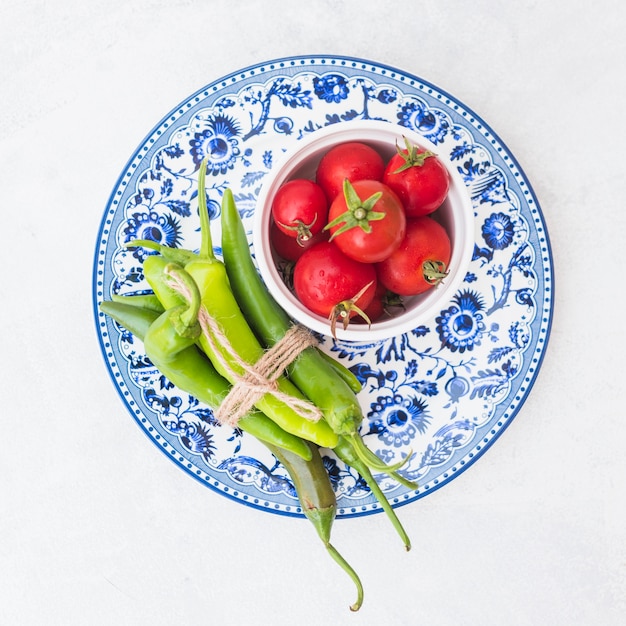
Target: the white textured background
(98, 528)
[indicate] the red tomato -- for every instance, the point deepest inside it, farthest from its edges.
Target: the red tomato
(419, 178)
(352, 160)
(420, 262)
(290, 248)
(300, 208)
(367, 221)
(331, 284)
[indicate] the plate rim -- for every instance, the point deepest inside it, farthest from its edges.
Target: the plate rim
(300, 61)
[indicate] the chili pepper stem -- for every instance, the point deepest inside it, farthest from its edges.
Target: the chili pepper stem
(206, 243)
(392, 473)
(320, 519)
(350, 571)
(391, 514)
(347, 453)
(371, 460)
(174, 255)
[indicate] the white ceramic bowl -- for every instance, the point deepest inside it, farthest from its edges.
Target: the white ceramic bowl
(456, 215)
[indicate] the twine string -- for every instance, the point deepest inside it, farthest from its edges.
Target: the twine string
(252, 381)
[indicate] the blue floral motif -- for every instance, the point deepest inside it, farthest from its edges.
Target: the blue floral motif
(188, 421)
(143, 196)
(433, 124)
(485, 181)
(283, 125)
(250, 179)
(461, 326)
(456, 388)
(491, 382)
(194, 436)
(218, 142)
(332, 469)
(387, 96)
(518, 336)
(131, 275)
(163, 229)
(386, 350)
(446, 441)
(290, 95)
(520, 262)
(174, 151)
(397, 419)
(498, 231)
(331, 87)
(247, 470)
(342, 480)
(180, 207)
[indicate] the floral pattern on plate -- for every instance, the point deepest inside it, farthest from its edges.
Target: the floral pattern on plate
(442, 392)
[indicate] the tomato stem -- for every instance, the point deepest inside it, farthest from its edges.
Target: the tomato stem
(411, 155)
(360, 212)
(345, 308)
(302, 230)
(434, 271)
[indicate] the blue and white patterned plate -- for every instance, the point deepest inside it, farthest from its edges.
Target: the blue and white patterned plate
(447, 389)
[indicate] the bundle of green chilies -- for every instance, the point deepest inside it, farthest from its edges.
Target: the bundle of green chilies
(202, 307)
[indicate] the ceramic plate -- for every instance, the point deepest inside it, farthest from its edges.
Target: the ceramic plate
(447, 389)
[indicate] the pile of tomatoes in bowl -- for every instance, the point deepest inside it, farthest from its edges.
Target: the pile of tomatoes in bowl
(362, 231)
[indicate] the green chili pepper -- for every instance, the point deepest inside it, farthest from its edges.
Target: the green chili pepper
(318, 501)
(219, 301)
(210, 276)
(311, 373)
(144, 301)
(343, 372)
(154, 271)
(173, 255)
(345, 451)
(216, 285)
(194, 374)
(133, 318)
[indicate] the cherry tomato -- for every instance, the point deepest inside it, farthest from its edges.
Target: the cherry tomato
(288, 247)
(419, 178)
(420, 262)
(331, 284)
(300, 208)
(352, 160)
(367, 221)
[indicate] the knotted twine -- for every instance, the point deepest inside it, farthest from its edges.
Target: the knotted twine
(257, 379)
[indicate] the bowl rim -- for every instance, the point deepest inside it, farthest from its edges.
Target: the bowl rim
(431, 302)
